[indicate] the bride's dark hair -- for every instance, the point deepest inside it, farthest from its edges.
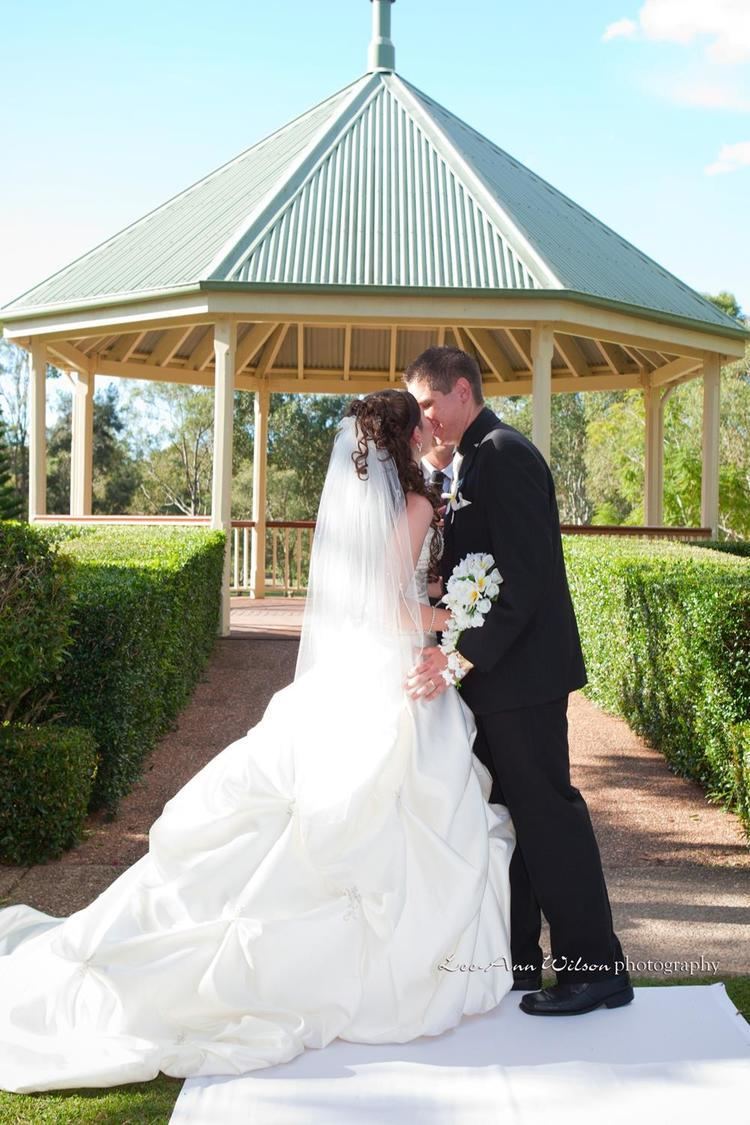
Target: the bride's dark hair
(387, 419)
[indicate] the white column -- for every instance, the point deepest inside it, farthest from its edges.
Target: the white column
(654, 477)
(260, 453)
(37, 430)
(541, 388)
(82, 445)
(225, 343)
(710, 475)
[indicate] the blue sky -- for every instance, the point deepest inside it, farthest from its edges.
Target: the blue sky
(638, 111)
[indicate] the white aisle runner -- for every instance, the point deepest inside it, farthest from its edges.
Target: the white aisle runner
(675, 1053)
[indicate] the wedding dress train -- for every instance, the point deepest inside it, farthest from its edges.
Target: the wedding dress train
(336, 872)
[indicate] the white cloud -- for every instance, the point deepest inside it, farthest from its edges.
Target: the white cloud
(725, 23)
(730, 159)
(620, 29)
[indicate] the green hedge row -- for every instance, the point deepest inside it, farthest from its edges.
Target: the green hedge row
(35, 619)
(146, 603)
(103, 634)
(731, 546)
(665, 630)
(46, 775)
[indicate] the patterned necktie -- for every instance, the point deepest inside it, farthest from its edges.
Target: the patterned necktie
(438, 480)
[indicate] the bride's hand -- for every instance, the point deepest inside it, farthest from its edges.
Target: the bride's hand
(425, 680)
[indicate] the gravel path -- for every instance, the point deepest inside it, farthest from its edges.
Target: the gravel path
(677, 867)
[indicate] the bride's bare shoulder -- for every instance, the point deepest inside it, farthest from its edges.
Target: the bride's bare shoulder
(418, 508)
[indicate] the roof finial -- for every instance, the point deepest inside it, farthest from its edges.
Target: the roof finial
(382, 53)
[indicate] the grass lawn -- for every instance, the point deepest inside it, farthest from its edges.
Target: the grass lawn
(151, 1103)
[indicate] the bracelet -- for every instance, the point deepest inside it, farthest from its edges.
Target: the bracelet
(432, 620)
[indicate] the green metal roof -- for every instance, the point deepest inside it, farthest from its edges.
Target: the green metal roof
(378, 186)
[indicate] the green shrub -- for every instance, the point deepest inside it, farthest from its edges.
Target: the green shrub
(146, 604)
(46, 777)
(35, 619)
(731, 546)
(665, 630)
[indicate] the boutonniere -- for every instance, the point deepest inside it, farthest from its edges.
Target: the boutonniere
(455, 498)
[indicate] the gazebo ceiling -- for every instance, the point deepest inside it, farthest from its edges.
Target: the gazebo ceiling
(328, 357)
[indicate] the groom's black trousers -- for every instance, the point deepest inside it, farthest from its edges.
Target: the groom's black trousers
(556, 866)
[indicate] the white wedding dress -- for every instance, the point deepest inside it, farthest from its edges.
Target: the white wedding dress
(335, 872)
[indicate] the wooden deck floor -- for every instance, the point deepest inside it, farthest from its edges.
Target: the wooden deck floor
(266, 617)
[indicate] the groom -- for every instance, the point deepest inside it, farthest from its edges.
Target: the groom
(519, 668)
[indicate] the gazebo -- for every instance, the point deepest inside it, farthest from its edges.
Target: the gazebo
(326, 256)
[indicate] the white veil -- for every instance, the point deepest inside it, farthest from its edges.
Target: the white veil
(361, 616)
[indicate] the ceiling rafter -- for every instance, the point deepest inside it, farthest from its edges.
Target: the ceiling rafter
(270, 351)
(70, 355)
(300, 351)
(523, 352)
(572, 354)
(670, 372)
(348, 352)
(202, 352)
(492, 353)
(393, 354)
(251, 343)
(169, 344)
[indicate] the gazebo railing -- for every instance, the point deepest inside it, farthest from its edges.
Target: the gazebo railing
(288, 547)
(289, 543)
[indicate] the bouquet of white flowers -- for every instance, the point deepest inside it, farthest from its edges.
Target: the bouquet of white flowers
(472, 588)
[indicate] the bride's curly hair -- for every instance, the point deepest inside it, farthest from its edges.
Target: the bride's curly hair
(387, 419)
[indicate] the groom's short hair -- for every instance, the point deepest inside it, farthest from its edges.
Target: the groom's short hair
(442, 367)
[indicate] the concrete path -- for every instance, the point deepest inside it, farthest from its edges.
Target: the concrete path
(677, 868)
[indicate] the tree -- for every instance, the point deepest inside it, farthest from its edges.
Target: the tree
(615, 457)
(11, 506)
(14, 382)
(176, 460)
(115, 473)
(567, 448)
(727, 302)
(301, 432)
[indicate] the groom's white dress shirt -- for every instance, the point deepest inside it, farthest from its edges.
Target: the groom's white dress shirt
(428, 469)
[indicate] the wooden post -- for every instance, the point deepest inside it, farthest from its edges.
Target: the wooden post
(260, 449)
(710, 474)
(542, 346)
(225, 345)
(654, 449)
(82, 445)
(37, 430)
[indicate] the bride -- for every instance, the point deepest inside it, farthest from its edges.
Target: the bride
(337, 872)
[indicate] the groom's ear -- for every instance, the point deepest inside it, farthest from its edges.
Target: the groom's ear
(463, 386)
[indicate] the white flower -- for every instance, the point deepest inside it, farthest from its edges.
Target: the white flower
(470, 591)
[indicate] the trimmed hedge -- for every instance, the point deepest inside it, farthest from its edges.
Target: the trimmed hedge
(35, 619)
(665, 630)
(146, 603)
(731, 546)
(46, 777)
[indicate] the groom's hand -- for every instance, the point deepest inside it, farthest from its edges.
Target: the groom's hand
(425, 680)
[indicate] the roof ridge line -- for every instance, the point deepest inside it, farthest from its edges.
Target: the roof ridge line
(241, 244)
(505, 224)
(625, 242)
(113, 238)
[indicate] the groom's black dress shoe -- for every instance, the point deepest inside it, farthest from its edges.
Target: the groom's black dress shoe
(527, 984)
(576, 997)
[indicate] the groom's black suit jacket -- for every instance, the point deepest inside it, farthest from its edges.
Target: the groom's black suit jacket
(528, 651)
